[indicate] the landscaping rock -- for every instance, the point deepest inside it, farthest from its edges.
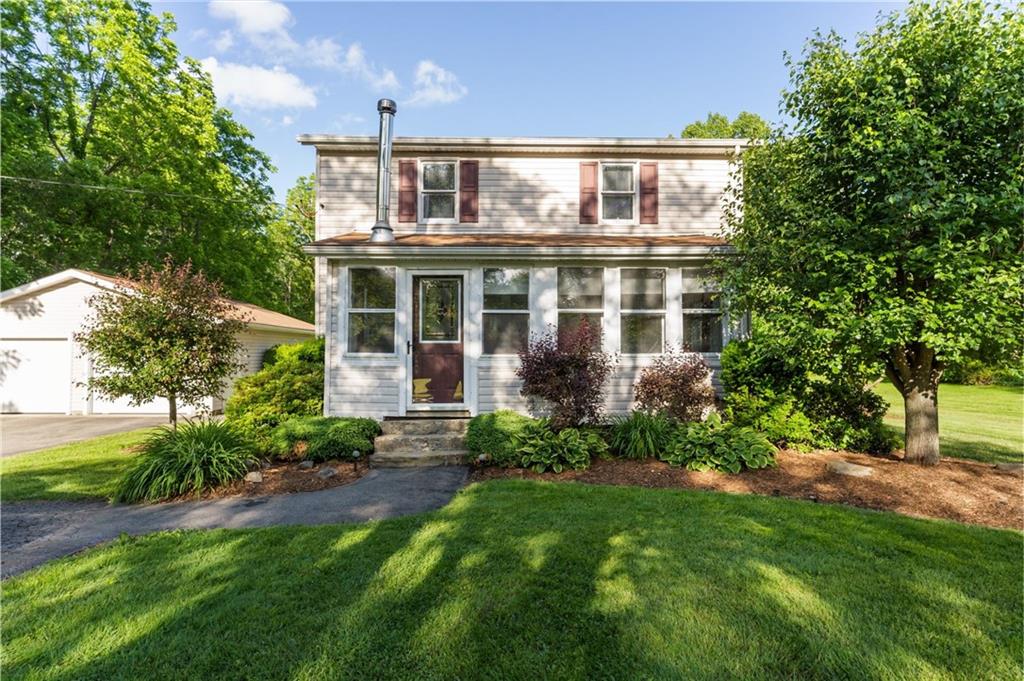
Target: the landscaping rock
(255, 476)
(306, 465)
(252, 464)
(852, 469)
(326, 472)
(1011, 467)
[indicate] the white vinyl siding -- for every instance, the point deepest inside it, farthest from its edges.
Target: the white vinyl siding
(526, 194)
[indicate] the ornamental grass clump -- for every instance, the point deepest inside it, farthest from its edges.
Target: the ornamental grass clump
(641, 435)
(567, 369)
(198, 456)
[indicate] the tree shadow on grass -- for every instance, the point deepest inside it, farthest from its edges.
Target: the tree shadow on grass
(525, 580)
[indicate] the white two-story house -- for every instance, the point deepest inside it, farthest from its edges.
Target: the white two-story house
(495, 240)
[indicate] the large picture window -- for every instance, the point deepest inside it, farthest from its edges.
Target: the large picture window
(702, 321)
(506, 311)
(642, 317)
(371, 310)
(580, 296)
(439, 194)
(618, 192)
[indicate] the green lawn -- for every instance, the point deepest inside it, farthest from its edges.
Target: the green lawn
(80, 470)
(529, 580)
(982, 422)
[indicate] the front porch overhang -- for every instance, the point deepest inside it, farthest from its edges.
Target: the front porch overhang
(522, 247)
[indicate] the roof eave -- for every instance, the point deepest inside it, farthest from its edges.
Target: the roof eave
(369, 251)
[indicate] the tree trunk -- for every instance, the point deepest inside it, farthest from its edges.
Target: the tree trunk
(172, 400)
(915, 373)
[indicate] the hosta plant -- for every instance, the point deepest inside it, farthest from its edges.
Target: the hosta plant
(716, 445)
(543, 448)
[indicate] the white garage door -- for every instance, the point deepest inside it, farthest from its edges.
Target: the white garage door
(102, 405)
(35, 376)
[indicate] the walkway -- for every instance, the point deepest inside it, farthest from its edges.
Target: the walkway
(34, 532)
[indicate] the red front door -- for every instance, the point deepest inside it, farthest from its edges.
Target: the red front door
(437, 340)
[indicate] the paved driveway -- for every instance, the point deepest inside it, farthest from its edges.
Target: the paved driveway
(28, 432)
(33, 532)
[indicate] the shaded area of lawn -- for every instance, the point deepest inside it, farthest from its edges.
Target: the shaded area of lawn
(980, 422)
(79, 470)
(526, 580)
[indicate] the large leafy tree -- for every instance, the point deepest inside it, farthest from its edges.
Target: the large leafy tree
(293, 228)
(746, 125)
(168, 334)
(126, 155)
(886, 222)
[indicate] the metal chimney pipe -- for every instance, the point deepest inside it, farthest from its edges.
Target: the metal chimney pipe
(382, 231)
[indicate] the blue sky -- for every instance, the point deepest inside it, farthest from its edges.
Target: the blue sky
(535, 69)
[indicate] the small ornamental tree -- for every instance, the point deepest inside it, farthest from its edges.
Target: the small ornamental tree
(676, 384)
(568, 370)
(168, 333)
(885, 224)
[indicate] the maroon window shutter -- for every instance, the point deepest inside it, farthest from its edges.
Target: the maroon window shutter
(648, 193)
(407, 191)
(469, 191)
(588, 193)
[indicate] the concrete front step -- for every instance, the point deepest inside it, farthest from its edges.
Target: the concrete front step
(423, 426)
(401, 442)
(412, 459)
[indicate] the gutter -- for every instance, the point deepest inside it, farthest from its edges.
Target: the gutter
(372, 251)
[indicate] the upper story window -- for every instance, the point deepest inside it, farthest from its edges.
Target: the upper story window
(371, 310)
(618, 192)
(506, 311)
(439, 191)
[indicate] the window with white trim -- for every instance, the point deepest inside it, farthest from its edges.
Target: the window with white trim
(506, 310)
(580, 296)
(642, 311)
(618, 192)
(702, 321)
(371, 310)
(439, 183)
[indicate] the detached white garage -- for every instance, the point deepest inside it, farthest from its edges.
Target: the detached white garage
(43, 371)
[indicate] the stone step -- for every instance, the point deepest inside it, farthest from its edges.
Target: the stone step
(423, 426)
(410, 459)
(418, 443)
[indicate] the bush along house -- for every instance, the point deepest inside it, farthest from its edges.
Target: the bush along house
(495, 240)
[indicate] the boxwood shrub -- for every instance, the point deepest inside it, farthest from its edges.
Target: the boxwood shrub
(493, 436)
(320, 438)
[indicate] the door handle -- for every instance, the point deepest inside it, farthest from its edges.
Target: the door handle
(408, 347)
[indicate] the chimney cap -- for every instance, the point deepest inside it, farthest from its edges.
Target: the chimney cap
(387, 106)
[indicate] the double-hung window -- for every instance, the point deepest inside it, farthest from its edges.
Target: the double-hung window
(580, 297)
(439, 199)
(618, 192)
(371, 310)
(506, 311)
(702, 321)
(642, 311)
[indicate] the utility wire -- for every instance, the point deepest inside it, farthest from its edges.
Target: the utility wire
(126, 190)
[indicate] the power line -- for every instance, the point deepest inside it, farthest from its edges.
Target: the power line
(127, 190)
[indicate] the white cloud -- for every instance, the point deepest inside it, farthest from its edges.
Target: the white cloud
(254, 17)
(256, 87)
(224, 41)
(287, 120)
(435, 85)
(356, 64)
(349, 122)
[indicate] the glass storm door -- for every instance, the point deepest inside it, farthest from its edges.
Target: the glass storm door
(437, 340)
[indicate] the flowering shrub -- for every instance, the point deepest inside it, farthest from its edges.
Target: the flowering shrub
(676, 384)
(567, 369)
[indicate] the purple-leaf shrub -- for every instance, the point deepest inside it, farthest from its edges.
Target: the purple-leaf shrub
(567, 369)
(676, 384)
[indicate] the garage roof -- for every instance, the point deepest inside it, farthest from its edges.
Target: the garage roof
(258, 316)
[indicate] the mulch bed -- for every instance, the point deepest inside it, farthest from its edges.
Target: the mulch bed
(964, 491)
(286, 478)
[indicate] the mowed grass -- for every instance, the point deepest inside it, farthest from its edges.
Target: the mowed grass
(530, 580)
(79, 470)
(981, 422)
